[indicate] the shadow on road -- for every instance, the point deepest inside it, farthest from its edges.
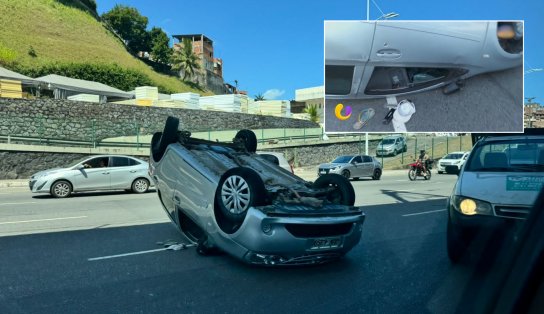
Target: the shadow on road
(90, 194)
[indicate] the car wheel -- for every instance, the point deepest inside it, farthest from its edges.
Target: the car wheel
(346, 174)
(405, 148)
(355, 178)
(427, 176)
(140, 185)
(440, 172)
(395, 152)
(61, 189)
(249, 139)
(456, 246)
(160, 141)
(343, 194)
(238, 189)
(377, 174)
(412, 174)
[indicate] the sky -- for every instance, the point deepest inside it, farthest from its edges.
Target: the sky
(275, 47)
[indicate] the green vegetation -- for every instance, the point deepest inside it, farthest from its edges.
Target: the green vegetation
(185, 60)
(130, 25)
(259, 97)
(64, 36)
(160, 51)
(312, 111)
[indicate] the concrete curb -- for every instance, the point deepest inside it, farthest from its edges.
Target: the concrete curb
(13, 183)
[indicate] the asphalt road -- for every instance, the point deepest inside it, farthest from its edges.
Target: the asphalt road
(490, 102)
(46, 245)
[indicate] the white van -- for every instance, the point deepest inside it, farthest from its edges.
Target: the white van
(496, 188)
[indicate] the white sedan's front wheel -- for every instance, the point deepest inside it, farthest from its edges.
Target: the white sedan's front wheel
(61, 189)
(140, 185)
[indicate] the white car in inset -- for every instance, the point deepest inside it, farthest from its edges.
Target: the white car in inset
(452, 159)
(390, 58)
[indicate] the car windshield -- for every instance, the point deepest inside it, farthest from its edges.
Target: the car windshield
(342, 159)
(388, 141)
(453, 156)
(520, 155)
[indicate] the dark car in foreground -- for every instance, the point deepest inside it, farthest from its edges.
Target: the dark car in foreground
(496, 188)
(225, 196)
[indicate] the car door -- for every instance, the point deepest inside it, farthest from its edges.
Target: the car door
(122, 172)
(368, 166)
(347, 48)
(356, 166)
(412, 56)
(94, 176)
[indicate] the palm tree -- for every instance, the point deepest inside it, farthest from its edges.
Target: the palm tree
(185, 60)
(259, 97)
(312, 111)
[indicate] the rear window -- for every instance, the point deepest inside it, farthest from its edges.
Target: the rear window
(523, 155)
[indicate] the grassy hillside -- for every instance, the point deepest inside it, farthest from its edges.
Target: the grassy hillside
(62, 34)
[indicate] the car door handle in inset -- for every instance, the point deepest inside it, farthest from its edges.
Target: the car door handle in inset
(388, 53)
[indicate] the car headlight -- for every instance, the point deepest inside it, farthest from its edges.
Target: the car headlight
(469, 206)
(336, 168)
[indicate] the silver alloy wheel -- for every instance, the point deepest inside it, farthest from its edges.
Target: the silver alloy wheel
(141, 185)
(61, 189)
(235, 194)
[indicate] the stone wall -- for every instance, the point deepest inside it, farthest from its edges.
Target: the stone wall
(64, 119)
(20, 165)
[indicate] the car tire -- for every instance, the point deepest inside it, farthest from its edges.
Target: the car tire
(161, 140)
(249, 139)
(456, 245)
(343, 194)
(140, 186)
(440, 172)
(395, 152)
(405, 149)
(239, 189)
(355, 178)
(412, 175)
(61, 189)
(377, 174)
(346, 174)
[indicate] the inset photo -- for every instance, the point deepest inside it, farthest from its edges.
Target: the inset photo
(423, 76)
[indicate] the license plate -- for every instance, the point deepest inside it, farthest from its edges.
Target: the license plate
(330, 243)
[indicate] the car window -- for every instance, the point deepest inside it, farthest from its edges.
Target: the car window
(271, 158)
(99, 162)
(358, 159)
(132, 162)
(338, 79)
(387, 141)
(367, 159)
(342, 159)
(521, 155)
(390, 80)
(119, 162)
(453, 156)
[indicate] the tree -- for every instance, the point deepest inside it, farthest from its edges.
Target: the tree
(160, 51)
(130, 25)
(185, 60)
(312, 111)
(259, 97)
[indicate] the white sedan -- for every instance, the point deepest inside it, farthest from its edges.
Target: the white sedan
(104, 172)
(452, 159)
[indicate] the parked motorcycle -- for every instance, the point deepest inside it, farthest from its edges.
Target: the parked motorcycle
(416, 170)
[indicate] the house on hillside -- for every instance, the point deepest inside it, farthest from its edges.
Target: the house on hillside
(211, 68)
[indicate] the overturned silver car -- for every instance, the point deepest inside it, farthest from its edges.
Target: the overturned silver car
(225, 196)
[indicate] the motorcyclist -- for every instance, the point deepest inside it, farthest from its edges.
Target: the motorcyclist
(423, 159)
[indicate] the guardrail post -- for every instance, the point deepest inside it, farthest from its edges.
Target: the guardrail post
(447, 144)
(284, 136)
(304, 138)
(460, 143)
(262, 136)
(94, 133)
(137, 136)
(415, 148)
(9, 138)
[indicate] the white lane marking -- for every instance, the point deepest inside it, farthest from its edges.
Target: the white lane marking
(38, 220)
(126, 254)
(423, 213)
(174, 247)
(2, 204)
